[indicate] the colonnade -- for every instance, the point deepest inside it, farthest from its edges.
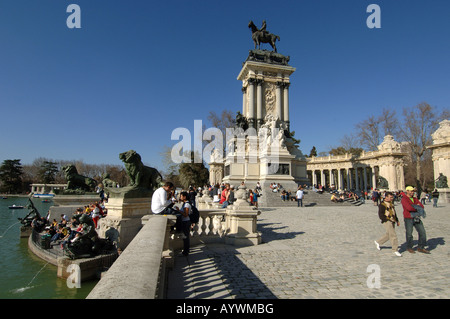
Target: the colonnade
(350, 178)
(46, 188)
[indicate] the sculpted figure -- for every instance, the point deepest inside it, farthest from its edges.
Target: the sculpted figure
(107, 182)
(382, 182)
(140, 175)
(441, 181)
(262, 36)
(241, 121)
(77, 181)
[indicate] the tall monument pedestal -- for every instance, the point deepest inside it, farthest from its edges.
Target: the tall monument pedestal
(123, 221)
(262, 148)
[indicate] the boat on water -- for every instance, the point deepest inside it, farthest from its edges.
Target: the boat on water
(15, 207)
(43, 195)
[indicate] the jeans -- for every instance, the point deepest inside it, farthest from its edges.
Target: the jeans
(186, 227)
(299, 202)
(409, 225)
(435, 200)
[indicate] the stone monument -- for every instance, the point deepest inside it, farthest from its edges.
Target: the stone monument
(390, 162)
(80, 191)
(127, 205)
(441, 159)
(263, 148)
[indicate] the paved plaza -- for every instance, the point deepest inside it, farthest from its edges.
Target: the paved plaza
(319, 252)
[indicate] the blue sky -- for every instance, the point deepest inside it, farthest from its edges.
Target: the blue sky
(136, 70)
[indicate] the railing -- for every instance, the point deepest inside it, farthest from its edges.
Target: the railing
(211, 223)
(141, 270)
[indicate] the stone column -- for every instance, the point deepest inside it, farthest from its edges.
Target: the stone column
(340, 180)
(349, 179)
(251, 102)
(278, 101)
(259, 100)
(286, 103)
(365, 179)
(356, 179)
(244, 101)
(322, 177)
(331, 177)
(374, 178)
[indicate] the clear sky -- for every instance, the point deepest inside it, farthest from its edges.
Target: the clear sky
(136, 70)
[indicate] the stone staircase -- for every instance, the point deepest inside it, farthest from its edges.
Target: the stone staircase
(311, 198)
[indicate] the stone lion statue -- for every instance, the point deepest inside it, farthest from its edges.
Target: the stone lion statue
(107, 181)
(77, 181)
(140, 175)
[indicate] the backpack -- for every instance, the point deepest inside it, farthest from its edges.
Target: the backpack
(195, 215)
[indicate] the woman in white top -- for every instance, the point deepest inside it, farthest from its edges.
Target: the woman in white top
(185, 211)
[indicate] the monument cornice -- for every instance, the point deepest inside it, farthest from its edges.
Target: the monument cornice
(284, 70)
(444, 144)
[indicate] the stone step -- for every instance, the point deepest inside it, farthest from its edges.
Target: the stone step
(311, 198)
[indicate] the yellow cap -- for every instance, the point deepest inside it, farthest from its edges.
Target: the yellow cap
(409, 188)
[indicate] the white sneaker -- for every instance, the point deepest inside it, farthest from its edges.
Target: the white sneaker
(396, 253)
(377, 244)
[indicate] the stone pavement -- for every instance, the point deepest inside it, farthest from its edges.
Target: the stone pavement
(319, 252)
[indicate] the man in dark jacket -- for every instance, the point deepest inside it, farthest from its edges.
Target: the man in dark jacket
(413, 222)
(435, 196)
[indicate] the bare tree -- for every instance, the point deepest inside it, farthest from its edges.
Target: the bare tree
(371, 131)
(368, 132)
(350, 141)
(419, 123)
(389, 123)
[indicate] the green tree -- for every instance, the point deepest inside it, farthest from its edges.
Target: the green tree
(192, 174)
(11, 176)
(47, 172)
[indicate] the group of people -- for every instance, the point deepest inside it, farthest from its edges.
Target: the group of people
(163, 203)
(413, 212)
(68, 230)
(225, 195)
(339, 197)
(276, 187)
(286, 195)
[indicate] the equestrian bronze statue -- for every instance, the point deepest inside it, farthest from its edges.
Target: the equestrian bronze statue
(262, 36)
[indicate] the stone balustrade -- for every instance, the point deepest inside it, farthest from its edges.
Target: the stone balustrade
(141, 270)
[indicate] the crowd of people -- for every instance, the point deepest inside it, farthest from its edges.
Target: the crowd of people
(67, 229)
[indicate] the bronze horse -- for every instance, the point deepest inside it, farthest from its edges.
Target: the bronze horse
(259, 37)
